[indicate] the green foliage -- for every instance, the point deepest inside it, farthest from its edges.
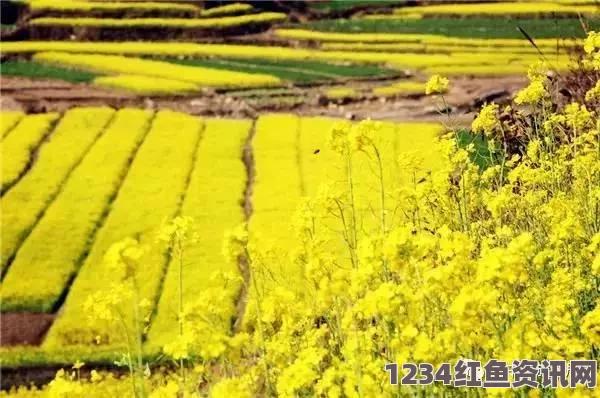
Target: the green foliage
(36, 70)
(297, 71)
(340, 5)
(471, 28)
(482, 155)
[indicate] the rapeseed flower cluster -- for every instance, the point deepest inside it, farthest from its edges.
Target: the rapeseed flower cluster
(437, 85)
(487, 120)
(536, 90)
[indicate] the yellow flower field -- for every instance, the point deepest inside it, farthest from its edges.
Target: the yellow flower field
(70, 5)
(21, 142)
(200, 23)
(8, 120)
(383, 37)
(413, 60)
(146, 84)
(502, 8)
(170, 75)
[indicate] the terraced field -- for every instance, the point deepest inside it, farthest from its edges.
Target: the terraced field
(373, 45)
(94, 176)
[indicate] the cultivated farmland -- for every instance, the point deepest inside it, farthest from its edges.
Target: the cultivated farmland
(277, 199)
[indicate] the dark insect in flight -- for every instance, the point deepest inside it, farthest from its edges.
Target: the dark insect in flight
(316, 151)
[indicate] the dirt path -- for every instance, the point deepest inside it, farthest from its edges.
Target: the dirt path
(464, 97)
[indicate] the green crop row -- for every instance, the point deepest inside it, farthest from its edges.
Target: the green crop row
(213, 203)
(50, 256)
(23, 205)
(19, 145)
(150, 194)
(35, 70)
(475, 27)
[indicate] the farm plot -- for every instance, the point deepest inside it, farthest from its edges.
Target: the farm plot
(98, 20)
(416, 61)
(149, 28)
(167, 72)
(142, 169)
(157, 178)
(8, 120)
(25, 202)
(25, 138)
(59, 240)
(294, 162)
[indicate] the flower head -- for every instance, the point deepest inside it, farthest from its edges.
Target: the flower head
(577, 115)
(532, 94)
(592, 42)
(593, 93)
(78, 365)
(437, 85)
(537, 70)
(95, 376)
(362, 134)
(487, 120)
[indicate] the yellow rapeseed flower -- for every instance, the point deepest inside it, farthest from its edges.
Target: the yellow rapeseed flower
(593, 93)
(95, 376)
(532, 94)
(338, 137)
(577, 115)
(592, 42)
(487, 120)
(437, 85)
(361, 135)
(78, 364)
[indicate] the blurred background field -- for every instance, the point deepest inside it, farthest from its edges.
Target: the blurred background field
(297, 51)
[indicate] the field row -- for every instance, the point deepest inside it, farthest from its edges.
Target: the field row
(477, 27)
(503, 9)
(169, 74)
(188, 10)
(268, 66)
(133, 171)
(179, 23)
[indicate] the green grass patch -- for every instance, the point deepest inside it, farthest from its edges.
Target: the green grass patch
(36, 70)
(481, 156)
(485, 28)
(296, 71)
(340, 5)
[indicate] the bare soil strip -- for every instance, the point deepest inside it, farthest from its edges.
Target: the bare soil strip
(244, 267)
(24, 328)
(465, 95)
